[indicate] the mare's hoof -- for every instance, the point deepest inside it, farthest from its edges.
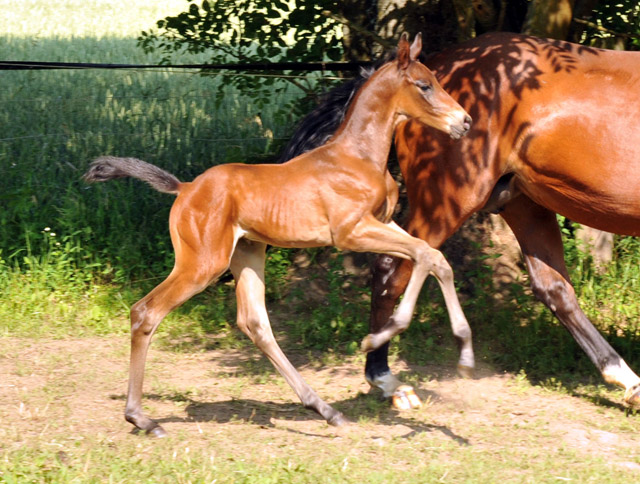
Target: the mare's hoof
(405, 398)
(367, 344)
(466, 371)
(338, 420)
(157, 432)
(632, 397)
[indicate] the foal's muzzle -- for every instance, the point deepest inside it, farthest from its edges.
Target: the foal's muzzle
(461, 128)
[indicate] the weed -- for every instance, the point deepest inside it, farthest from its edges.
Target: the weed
(339, 321)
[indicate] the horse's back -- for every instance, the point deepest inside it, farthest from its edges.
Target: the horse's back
(563, 117)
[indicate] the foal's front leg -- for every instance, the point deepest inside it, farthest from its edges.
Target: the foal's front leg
(247, 266)
(370, 235)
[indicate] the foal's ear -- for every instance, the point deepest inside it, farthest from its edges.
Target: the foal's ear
(416, 47)
(403, 52)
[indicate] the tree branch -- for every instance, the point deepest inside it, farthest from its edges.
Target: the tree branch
(604, 29)
(386, 44)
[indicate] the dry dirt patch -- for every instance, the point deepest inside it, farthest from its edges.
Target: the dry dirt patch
(232, 398)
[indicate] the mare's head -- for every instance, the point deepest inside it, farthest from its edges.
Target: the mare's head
(418, 93)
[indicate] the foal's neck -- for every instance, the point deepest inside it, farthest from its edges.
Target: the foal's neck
(367, 131)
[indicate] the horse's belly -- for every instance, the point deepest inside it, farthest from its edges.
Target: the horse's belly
(586, 168)
(614, 212)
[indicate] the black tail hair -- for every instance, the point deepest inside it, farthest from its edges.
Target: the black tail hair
(109, 167)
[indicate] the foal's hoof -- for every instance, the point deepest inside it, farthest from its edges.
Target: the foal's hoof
(338, 420)
(157, 432)
(466, 371)
(632, 397)
(405, 398)
(367, 344)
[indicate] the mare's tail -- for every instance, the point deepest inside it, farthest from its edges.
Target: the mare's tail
(109, 167)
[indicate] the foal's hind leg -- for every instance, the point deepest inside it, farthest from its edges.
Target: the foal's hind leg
(192, 273)
(536, 229)
(247, 266)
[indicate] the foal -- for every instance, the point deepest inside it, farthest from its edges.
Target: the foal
(339, 194)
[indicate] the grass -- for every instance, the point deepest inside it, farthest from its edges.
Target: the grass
(113, 241)
(151, 464)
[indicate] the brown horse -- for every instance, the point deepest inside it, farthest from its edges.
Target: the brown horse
(556, 131)
(340, 194)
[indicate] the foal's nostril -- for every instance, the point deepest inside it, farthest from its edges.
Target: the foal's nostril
(467, 122)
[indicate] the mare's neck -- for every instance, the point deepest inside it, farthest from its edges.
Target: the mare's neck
(367, 131)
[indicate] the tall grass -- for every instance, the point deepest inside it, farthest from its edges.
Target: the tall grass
(55, 122)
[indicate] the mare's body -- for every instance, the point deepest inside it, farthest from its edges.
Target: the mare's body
(556, 130)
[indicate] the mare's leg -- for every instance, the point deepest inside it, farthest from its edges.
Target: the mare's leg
(390, 278)
(247, 266)
(373, 236)
(537, 231)
(192, 273)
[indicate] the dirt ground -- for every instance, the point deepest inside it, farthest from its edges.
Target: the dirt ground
(78, 386)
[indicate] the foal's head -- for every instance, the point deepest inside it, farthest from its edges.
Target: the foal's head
(420, 96)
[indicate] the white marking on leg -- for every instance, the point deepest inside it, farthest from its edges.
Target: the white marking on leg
(386, 382)
(620, 374)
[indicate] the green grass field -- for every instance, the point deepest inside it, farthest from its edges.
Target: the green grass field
(74, 257)
(59, 234)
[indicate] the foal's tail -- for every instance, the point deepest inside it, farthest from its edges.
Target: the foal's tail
(109, 167)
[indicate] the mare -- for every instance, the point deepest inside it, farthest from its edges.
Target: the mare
(555, 131)
(340, 194)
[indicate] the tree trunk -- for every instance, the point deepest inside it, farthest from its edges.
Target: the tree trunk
(465, 14)
(358, 19)
(598, 244)
(549, 18)
(437, 20)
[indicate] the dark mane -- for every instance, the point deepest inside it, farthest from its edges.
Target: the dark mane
(317, 127)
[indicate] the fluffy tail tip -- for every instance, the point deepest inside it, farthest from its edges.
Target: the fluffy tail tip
(101, 169)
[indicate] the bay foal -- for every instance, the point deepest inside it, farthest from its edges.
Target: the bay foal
(339, 194)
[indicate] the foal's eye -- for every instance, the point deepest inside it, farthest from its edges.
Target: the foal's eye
(424, 87)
